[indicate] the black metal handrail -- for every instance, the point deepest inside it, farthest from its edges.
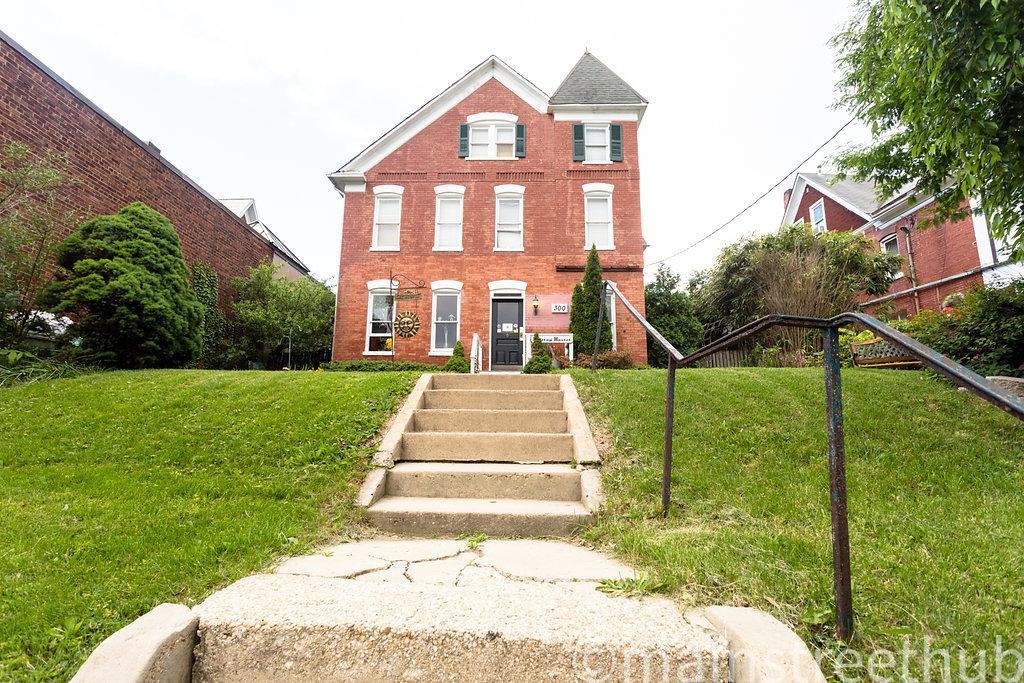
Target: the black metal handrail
(955, 372)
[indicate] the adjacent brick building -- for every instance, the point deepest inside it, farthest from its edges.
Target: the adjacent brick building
(937, 261)
(113, 167)
(475, 214)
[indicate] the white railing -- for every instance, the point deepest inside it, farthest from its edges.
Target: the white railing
(476, 355)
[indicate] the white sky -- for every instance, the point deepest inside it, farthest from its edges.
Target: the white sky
(262, 99)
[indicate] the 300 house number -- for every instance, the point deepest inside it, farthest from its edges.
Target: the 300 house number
(559, 308)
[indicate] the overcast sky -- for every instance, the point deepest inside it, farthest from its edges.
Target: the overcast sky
(262, 99)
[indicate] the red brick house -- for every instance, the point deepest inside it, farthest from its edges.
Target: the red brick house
(937, 261)
(113, 167)
(474, 215)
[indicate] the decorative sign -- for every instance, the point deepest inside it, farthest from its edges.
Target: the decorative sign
(406, 296)
(407, 324)
(559, 338)
(559, 308)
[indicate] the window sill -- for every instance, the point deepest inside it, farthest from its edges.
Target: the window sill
(440, 352)
(598, 163)
(608, 248)
(384, 249)
(454, 249)
(510, 250)
(492, 158)
(378, 353)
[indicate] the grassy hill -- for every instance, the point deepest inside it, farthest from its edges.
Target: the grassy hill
(936, 514)
(122, 490)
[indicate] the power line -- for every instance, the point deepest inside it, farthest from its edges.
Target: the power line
(759, 198)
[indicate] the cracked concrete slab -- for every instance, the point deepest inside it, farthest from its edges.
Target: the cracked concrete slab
(341, 565)
(550, 561)
(443, 571)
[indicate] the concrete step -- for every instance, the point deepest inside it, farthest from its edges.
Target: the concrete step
(487, 447)
(480, 627)
(483, 399)
(496, 382)
(425, 516)
(483, 480)
(445, 420)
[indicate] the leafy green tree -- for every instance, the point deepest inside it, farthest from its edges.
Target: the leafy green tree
(124, 281)
(586, 301)
(31, 220)
(458, 362)
(670, 311)
(205, 283)
(540, 360)
(941, 85)
(268, 309)
(790, 271)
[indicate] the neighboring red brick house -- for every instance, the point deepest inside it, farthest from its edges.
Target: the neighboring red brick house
(937, 261)
(114, 168)
(490, 195)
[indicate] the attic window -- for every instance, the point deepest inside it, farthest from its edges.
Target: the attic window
(492, 135)
(818, 217)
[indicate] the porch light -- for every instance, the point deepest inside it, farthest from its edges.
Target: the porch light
(536, 305)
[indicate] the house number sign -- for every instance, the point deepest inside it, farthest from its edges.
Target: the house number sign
(559, 308)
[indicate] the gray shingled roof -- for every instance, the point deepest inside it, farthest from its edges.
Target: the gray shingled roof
(591, 82)
(860, 195)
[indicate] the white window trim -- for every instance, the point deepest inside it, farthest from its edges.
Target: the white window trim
(491, 120)
(449, 192)
(611, 318)
(894, 237)
(607, 141)
(810, 217)
(595, 190)
(379, 288)
(510, 192)
(448, 287)
(388, 192)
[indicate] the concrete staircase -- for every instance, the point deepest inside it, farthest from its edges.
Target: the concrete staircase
(507, 455)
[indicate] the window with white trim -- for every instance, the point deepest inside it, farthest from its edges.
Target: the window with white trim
(609, 307)
(508, 219)
(387, 217)
(597, 208)
(448, 218)
(597, 148)
(380, 319)
(891, 245)
(492, 140)
(444, 329)
(818, 217)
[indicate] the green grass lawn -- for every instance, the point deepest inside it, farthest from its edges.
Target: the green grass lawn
(122, 490)
(935, 498)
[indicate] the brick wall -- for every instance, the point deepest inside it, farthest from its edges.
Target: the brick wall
(837, 217)
(939, 252)
(552, 224)
(114, 170)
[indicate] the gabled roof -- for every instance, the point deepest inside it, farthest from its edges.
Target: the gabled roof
(240, 207)
(492, 67)
(591, 82)
(858, 197)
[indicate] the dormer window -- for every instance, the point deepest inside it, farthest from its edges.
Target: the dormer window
(492, 136)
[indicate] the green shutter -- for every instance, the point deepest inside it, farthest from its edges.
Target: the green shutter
(463, 140)
(616, 142)
(520, 140)
(579, 152)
